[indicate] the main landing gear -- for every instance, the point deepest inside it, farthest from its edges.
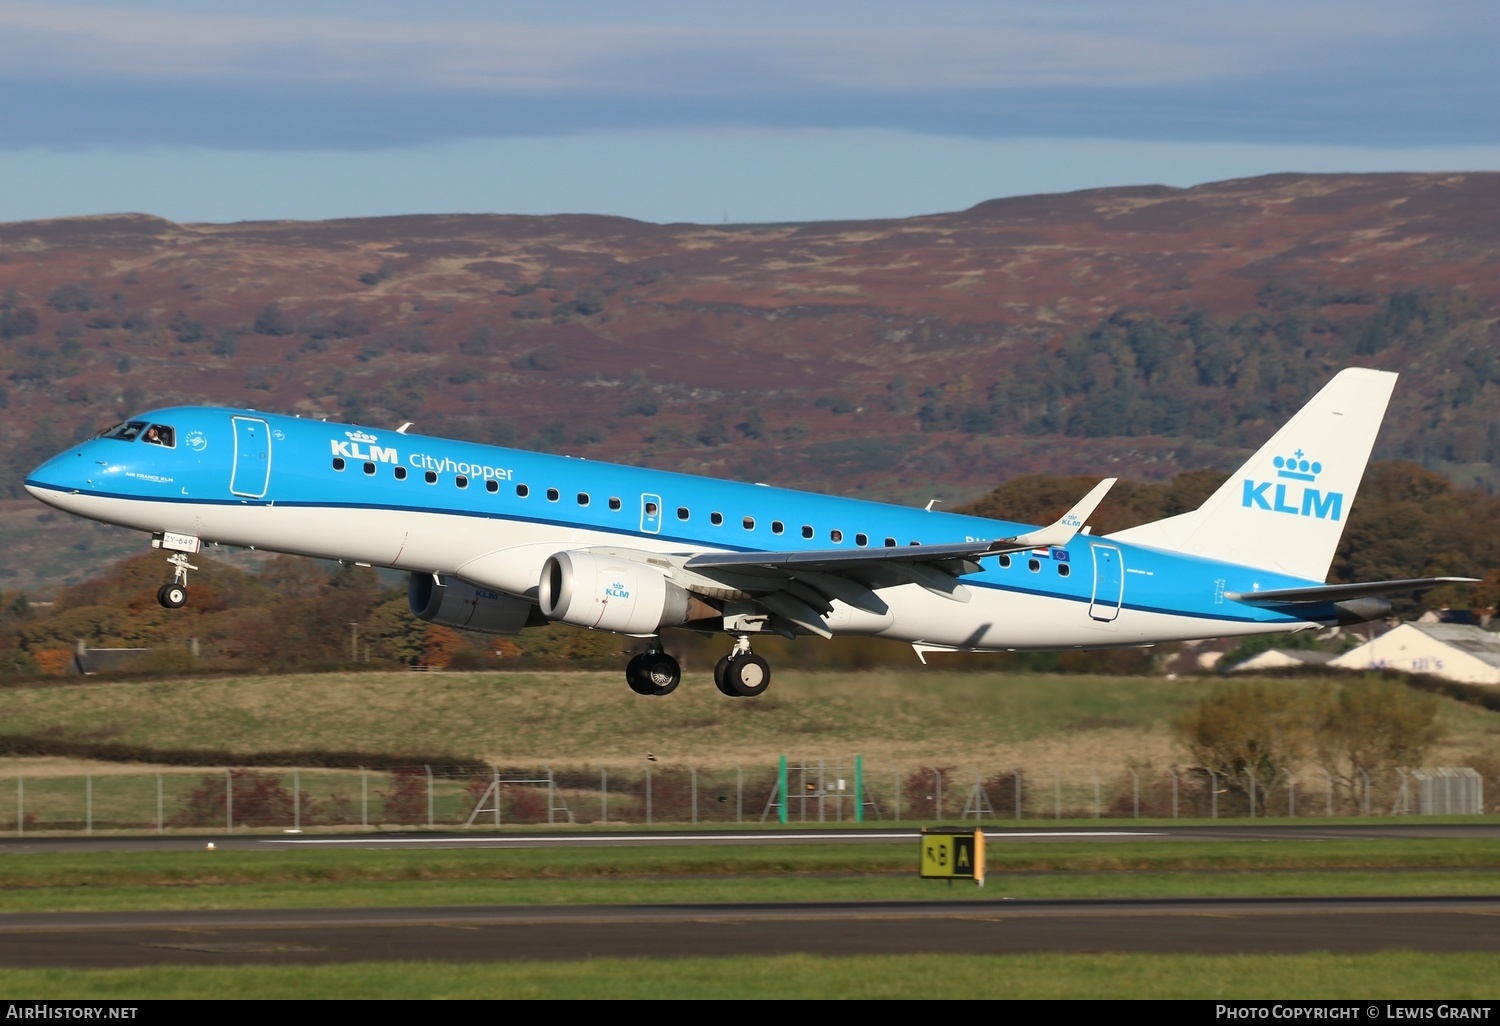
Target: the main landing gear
(653, 672)
(740, 674)
(174, 595)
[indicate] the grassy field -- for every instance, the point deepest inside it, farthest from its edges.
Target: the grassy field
(1392, 975)
(914, 717)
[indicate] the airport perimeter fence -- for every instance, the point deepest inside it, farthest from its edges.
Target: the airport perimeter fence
(793, 792)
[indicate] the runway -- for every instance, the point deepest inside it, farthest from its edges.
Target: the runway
(967, 923)
(995, 927)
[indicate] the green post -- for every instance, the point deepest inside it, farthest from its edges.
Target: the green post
(859, 789)
(781, 783)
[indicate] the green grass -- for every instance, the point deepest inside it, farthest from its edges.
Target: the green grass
(119, 881)
(1393, 975)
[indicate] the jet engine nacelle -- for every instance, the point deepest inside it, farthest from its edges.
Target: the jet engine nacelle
(608, 593)
(467, 607)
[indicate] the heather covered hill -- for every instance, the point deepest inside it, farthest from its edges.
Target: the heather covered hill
(1140, 331)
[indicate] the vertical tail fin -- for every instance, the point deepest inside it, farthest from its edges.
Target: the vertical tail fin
(1285, 509)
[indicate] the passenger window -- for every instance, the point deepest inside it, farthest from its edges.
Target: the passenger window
(370, 469)
(461, 481)
(614, 503)
(807, 531)
(430, 477)
(1004, 562)
(651, 509)
(492, 486)
(160, 434)
(890, 543)
(522, 491)
(749, 523)
(861, 540)
(583, 498)
(835, 536)
(682, 512)
(552, 494)
(1033, 565)
(400, 473)
(777, 527)
(338, 463)
(716, 519)
(1063, 570)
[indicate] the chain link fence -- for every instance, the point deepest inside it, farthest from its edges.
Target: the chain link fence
(794, 791)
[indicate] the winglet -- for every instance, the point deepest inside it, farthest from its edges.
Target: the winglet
(1062, 532)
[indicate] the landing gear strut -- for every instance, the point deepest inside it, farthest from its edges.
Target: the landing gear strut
(742, 673)
(174, 595)
(653, 672)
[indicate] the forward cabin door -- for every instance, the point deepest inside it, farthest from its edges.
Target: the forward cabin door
(252, 458)
(1109, 583)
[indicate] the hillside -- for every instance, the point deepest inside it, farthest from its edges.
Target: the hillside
(1144, 330)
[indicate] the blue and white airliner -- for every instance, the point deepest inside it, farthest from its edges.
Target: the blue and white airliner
(496, 540)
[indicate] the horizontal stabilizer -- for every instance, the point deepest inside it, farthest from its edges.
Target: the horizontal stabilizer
(1323, 593)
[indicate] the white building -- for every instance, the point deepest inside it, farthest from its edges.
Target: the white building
(1454, 651)
(1283, 659)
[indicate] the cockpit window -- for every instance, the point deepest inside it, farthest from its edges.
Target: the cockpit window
(126, 432)
(161, 434)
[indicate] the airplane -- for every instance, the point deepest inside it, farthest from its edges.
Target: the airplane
(497, 540)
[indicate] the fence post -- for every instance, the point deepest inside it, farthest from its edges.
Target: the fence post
(1213, 793)
(1250, 775)
(1057, 796)
(229, 800)
(896, 780)
(1096, 791)
(364, 798)
(20, 805)
(937, 775)
(1017, 775)
(1173, 774)
(1135, 786)
(739, 794)
(1328, 779)
(551, 797)
(693, 778)
(648, 796)
(429, 794)
(1366, 778)
(1291, 795)
(496, 771)
(1403, 795)
(158, 803)
(603, 796)
(88, 803)
(859, 789)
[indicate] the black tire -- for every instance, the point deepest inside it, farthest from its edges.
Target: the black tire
(657, 674)
(172, 596)
(632, 672)
(748, 676)
(721, 677)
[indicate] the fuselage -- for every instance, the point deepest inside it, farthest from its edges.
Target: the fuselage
(309, 487)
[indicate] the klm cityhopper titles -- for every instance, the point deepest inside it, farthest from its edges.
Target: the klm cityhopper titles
(499, 539)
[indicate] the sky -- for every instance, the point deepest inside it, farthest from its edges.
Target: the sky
(706, 112)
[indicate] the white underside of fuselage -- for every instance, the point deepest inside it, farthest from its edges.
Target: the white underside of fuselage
(994, 618)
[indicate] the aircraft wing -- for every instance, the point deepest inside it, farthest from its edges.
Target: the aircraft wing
(800, 586)
(1323, 593)
(954, 557)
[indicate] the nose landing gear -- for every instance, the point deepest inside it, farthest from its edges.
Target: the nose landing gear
(174, 595)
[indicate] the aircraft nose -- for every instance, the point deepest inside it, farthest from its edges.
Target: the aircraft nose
(67, 471)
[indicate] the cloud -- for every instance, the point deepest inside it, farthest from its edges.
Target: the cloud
(129, 75)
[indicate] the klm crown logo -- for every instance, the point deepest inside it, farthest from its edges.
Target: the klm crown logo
(1303, 500)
